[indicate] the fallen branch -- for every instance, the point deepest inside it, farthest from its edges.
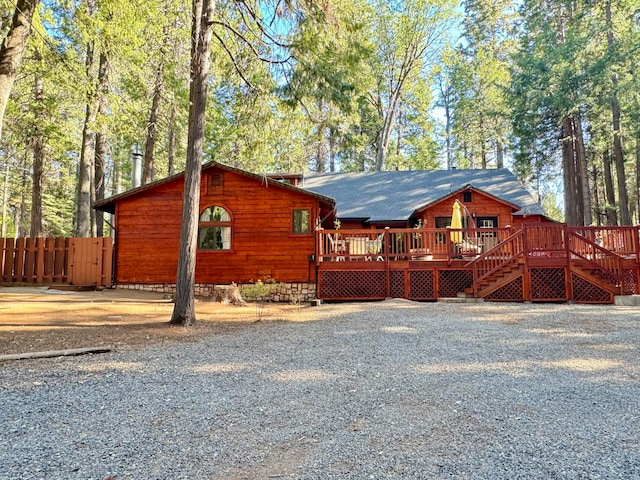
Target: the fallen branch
(54, 353)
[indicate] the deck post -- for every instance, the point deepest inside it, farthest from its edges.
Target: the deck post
(568, 276)
(387, 265)
(526, 275)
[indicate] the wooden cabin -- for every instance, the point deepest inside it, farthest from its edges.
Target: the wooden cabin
(251, 228)
(372, 235)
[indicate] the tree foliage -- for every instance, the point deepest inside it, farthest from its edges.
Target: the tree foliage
(548, 88)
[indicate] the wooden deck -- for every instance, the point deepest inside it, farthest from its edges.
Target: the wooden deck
(545, 262)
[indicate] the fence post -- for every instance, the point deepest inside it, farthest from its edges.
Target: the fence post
(40, 259)
(9, 260)
(19, 265)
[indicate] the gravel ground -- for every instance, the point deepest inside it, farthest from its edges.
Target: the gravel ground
(388, 390)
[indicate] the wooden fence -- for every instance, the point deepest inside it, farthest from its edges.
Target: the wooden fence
(75, 261)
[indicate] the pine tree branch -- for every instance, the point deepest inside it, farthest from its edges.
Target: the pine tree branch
(233, 61)
(246, 41)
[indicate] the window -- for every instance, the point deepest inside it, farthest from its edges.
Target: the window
(466, 196)
(214, 229)
(300, 222)
(490, 239)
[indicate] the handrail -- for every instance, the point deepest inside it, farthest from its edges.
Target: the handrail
(607, 262)
(498, 257)
(621, 240)
(404, 243)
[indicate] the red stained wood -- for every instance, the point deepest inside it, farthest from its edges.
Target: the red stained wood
(262, 245)
(480, 206)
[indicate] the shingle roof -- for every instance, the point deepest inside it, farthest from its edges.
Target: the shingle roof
(396, 195)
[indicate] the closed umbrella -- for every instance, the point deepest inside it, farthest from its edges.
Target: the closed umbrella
(456, 222)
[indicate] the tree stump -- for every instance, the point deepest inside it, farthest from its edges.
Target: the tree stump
(227, 294)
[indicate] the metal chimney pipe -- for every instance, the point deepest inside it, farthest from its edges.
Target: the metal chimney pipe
(136, 167)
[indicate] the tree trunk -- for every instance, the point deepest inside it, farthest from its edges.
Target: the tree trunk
(610, 209)
(568, 160)
(87, 154)
(384, 136)
(332, 150)
(171, 140)
(445, 93)
(12, 50)
(618, 152)
(596, 205)
(152, 128)
(582, 172)
(101, 142)
(5, 200)
(623, 196)
(21, 210)
(202, 29)
(38, 162)
(499, 154)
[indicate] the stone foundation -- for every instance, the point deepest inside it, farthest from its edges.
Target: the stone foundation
(280, 292)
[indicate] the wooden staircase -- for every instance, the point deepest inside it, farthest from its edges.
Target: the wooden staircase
(498, 266)
(508, 260)
(595, 264)
(595, 276)
(497, 279)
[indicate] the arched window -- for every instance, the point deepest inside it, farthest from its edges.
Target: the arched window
(214, 229)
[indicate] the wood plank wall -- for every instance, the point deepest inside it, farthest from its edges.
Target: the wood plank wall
(262, 245)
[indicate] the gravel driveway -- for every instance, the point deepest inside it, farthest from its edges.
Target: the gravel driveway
(388, 390)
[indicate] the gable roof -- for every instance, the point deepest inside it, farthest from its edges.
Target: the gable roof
(108, 204)
(397, 195)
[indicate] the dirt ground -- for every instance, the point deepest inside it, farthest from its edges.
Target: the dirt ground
(42, 319)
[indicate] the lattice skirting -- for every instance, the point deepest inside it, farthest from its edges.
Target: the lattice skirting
(511, 292)
(421, 285)
(630, 281)
(548, 284)
(345, 285)
(587, 292)
(451, 282)
(396, 283)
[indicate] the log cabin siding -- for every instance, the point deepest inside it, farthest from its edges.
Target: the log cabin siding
(481, 205)
(262, 243)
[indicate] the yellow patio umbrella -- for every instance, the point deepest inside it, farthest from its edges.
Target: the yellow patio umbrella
(456, 222)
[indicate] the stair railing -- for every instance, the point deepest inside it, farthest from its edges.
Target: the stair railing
(607, 263)
(505, 253)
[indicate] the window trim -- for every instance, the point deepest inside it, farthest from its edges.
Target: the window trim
(226, 223)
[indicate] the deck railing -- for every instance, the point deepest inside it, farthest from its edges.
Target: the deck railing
(621, 240)
(392, 244)
(498, 257)
(607, 263)
(545, 240)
